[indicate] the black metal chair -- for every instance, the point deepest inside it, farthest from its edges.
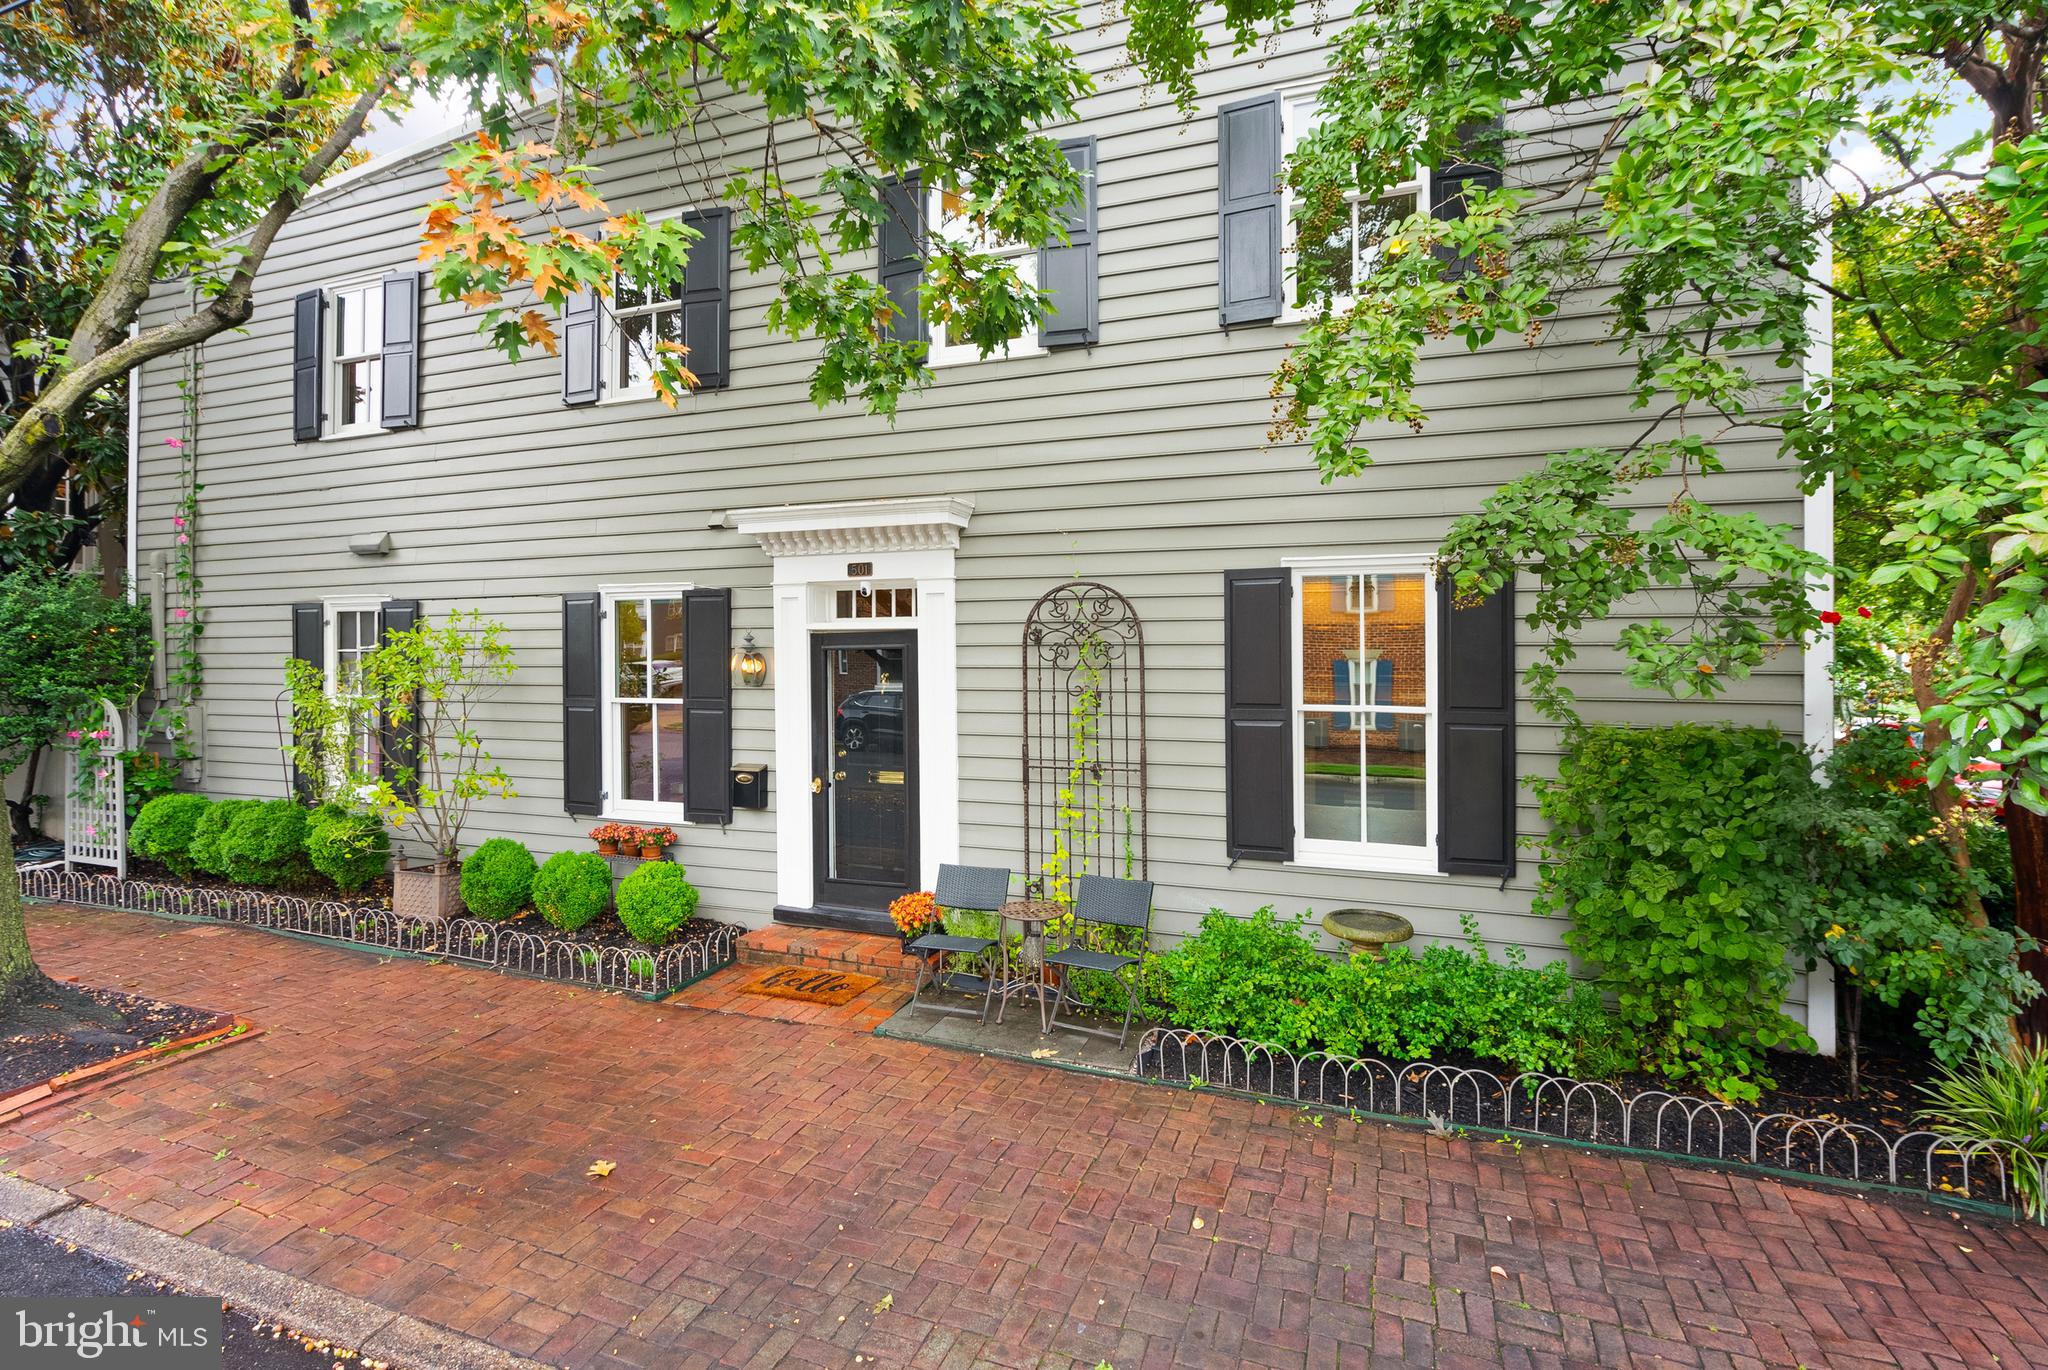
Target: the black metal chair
(976, 889)
(1107, 903)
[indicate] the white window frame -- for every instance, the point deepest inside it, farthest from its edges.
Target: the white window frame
(333, 360)
(1386, 857)
(616, 805)
(1297, 117)
(612, 354)
(331, 611)
(940, 352)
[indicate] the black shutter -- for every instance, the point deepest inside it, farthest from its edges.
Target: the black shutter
(309, 644)
(581, 348)
(1449, 185)
(1476, 734)
(1248, 207)
(582, 704)
(1258, 675)
(399, 399)
(901, 255)
(399, 744)
(1067, 272)
(707, 706)
(707, 298)
(307, 310)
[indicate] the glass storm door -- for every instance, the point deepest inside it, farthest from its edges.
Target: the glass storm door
(864, 777)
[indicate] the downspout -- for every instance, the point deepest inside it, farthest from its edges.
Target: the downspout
(1817, 523)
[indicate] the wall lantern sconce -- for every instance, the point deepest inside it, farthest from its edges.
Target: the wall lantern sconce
(750, 663)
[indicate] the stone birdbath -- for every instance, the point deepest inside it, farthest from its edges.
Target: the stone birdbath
(1371, 931)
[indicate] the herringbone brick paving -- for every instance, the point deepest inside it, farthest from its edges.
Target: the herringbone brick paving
(418, 1135)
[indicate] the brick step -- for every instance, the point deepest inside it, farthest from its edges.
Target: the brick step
(862, 953)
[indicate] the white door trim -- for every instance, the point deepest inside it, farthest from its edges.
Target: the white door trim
(910, 540)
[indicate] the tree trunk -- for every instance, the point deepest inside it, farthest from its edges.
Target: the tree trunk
(1852, 1030)
(20, 977)
(2028, 832)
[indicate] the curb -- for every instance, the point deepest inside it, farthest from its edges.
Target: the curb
(369, 1328)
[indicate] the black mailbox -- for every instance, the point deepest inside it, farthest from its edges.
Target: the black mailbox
(750, 787)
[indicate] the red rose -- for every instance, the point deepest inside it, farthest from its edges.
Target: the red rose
(1862, 612)
(1829, 616)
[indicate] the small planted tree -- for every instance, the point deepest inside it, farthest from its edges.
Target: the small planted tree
(431, 681)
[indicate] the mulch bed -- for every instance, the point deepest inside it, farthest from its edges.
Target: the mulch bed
(40, 1054)
(605, 932)
(375, 895)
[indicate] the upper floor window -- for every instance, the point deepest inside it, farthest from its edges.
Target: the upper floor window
(949, 222)
(1365, 701)
(1348, 254)
(356, 356)
(644, 702)
(644, 314)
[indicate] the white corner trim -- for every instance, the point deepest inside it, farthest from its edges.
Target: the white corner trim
(917, 523)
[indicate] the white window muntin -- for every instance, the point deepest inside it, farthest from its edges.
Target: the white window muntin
(351, 628)
(618, 803)
(1297, 117)
(1023, 256)
(1396, 858)
(355, 357)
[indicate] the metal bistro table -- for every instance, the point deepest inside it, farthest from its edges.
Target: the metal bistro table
(1031, 915)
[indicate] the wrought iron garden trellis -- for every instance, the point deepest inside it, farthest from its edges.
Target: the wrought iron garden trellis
(1084, 736)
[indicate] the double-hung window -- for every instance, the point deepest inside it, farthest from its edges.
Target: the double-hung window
(948, 223)
(1347, 255)
(644, 315)
(355, 627)
(643, 707)
(1364, 702)
(356, 353)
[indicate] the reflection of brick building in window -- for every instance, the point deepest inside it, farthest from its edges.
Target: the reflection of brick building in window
(1390, 668)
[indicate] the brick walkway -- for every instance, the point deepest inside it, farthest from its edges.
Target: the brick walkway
(418, 1135)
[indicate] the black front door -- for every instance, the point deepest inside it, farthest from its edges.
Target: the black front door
(864, 768)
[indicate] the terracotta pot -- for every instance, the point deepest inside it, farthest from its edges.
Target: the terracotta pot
(650, 853)
(607, 849)
(426, 889)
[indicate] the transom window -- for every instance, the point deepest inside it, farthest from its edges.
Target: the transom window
(354, 629)
(644, 315)
(644, 708)
(1347, 256)
(944, 214)
(356, 374)
(1364, 702)
(869, 601)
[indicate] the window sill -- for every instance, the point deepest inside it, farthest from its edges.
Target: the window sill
(1372, 865)
(669, 816)
(947, 363)
(361, 430)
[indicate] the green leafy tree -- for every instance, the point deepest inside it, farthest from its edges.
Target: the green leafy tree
(1667, 163)
(63, 647)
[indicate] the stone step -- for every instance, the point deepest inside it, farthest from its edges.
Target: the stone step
(863, 953)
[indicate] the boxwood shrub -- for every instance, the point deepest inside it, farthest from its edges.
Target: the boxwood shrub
(212, 826)
(348, 846)
(655, 901)
(163, 830)
(498, 878)
(572, 888)
(265, 844)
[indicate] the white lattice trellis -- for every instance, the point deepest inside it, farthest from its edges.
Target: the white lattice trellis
(95, 823)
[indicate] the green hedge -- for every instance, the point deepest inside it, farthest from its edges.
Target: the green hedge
(165, 827)
(497, 879)
(212, 826)
(655, 901)
(348, 846)
(265, 844)
(572, 888)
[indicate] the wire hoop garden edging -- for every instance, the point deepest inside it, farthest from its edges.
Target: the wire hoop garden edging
(1965, 1172)
(647, 974)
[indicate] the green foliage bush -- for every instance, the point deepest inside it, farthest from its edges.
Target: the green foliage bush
(655, 901)
(212, 826)
(1667, 850)
(572, 888)
(265, 844)
(1262, 978)
(164, 828)
(348, 846)
(63, 647)
(2001, 1095)
(497, 879)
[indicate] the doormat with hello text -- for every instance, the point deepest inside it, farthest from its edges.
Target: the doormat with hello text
(809, 984)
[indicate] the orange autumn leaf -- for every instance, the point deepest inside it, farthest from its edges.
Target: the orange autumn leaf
(323, 66)
(537, 329)
(671, 345)
(548, 277)
(441, 218)
(478, 298)
(585, 201)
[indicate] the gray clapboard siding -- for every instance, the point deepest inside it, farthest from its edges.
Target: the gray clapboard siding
(1141, 461)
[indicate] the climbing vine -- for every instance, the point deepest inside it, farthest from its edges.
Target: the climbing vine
(184, 677)
(1077, 815)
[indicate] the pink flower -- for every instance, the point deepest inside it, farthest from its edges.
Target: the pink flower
(178, 443)
(182, 613)
(74, 734)
(177, 520)
(91, 831)
(183, 539)
(1830, 616)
